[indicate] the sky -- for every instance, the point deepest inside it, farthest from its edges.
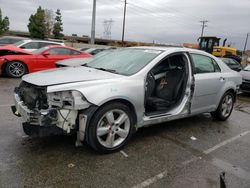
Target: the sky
(162, 21)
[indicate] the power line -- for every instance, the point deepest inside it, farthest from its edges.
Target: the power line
(169, 9)
(147, 12)
(203, 26)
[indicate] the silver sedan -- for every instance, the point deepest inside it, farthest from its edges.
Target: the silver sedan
(106, 100)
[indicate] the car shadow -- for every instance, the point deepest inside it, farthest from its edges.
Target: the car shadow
(66, 144)
(200, 124)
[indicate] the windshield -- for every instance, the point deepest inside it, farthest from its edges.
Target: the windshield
(40, 50)
(247, 68)
(124, 61)
(18, 43)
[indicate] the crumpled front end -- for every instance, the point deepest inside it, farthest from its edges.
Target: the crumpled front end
(48, 110)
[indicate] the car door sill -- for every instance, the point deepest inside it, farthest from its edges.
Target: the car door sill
(151, 116)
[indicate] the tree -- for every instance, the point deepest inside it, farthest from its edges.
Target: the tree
(4, 23)
(49, 22)
(36, 24)
(58, 25)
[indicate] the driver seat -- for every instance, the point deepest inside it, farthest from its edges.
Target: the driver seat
(168, 89)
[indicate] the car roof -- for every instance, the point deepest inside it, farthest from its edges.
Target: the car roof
(172, 49)
(47, 41)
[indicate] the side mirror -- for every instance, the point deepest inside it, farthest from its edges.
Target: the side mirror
(46, 53)
(23, 47)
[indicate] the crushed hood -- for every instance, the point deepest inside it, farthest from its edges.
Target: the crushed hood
(11, 49)
(67, 75)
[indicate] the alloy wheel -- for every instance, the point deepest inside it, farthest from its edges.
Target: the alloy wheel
(227, 105)
(113, 128)
(16, 69)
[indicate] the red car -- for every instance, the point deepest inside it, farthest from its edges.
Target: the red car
(19, 62)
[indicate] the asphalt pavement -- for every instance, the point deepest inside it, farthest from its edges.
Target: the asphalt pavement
(191, 152)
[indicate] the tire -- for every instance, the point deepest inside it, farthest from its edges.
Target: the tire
(225, 107)
(16, 69)
(105, 133)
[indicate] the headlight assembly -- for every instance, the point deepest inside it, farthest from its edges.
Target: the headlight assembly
(68, 100)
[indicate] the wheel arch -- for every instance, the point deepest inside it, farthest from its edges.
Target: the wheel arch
(93, 110)
(221, 94)
(232, 91)
(125, 102)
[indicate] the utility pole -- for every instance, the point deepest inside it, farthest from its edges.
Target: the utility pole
(92, 40)
(124, 19)
(245, 46)
(203, 26)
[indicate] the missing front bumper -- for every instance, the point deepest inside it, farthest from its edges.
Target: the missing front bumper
(42, 118)
(38, 131)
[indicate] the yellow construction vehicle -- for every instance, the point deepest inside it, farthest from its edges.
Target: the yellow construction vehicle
(211, 44)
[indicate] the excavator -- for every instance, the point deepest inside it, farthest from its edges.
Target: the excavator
(211, 44)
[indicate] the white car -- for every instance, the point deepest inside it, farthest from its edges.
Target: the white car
(32, 45)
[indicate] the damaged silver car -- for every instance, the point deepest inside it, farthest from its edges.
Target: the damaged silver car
(106, 100)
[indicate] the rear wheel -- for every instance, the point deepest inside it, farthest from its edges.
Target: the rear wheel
(111, 128)
(225, 107)
(15, 69)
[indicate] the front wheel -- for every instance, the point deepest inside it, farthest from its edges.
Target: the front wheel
(110, 128)
(15, 69)
(225, 107)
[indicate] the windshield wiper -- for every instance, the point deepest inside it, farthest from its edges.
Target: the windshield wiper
(108, 70)
(102, 69)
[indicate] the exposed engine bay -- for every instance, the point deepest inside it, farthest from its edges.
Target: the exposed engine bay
(49, 110)
(34, 97)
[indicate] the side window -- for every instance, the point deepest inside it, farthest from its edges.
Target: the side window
(204, 64)
(43, 44)
(73, 52)
(60, 51)
(4, 41)
(30, 45)
(12, 41)
(216, 67)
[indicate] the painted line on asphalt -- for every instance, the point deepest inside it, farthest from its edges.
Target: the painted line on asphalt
(123, 153)
(190, 160)
(225, 142)
(241, 173)
(151, 180)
